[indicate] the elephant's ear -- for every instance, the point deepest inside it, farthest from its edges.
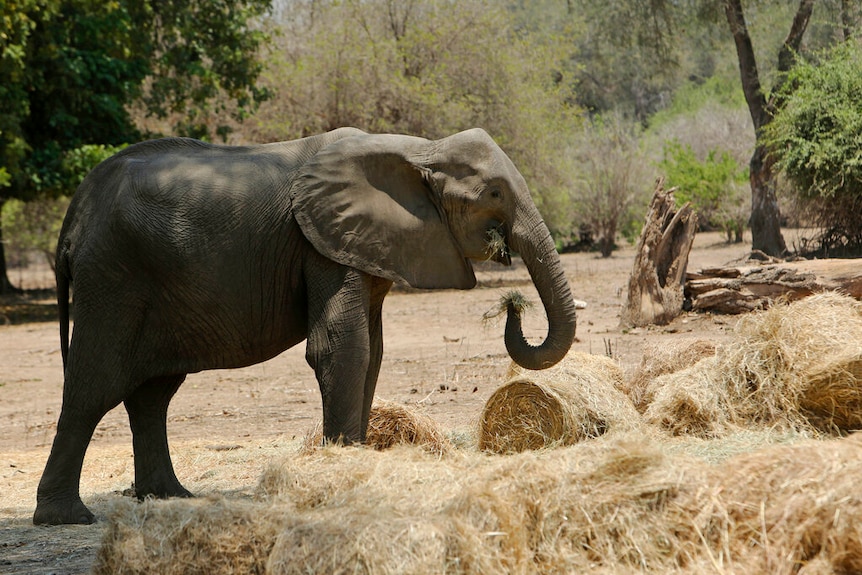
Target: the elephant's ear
(363, 204)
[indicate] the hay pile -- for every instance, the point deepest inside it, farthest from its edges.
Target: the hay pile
(660, 359)
(795, 366)
(617, 504)
(628, 499)
(579, 398)
(391, 424)
(188, 537)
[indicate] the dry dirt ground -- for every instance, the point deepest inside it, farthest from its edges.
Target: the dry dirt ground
(225, 426)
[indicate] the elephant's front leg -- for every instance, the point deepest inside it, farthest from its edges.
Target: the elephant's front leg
(339, 345)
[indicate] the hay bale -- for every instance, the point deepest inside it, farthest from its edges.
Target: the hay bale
(575, 400)
(795, 355)
(662, 358)
(565, 510)
(832, 399)
(785, 509)
(360, 541)
(620, 504)
(212, 536)
(792, 367)
(391, 424)
(689, 402)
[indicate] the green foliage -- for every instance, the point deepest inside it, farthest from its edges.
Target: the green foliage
(429, 68)
(692, 97)
(611, 187)
(817, 135)
(71, 70)
(32, 227)
(816, 139)
(714, 186)
(77, 163)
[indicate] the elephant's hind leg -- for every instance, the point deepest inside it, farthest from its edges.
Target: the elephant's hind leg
(147, 407)
(57, 499)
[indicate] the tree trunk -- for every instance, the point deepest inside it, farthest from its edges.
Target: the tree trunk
(6, 286)
(765, 219)
(655, 291)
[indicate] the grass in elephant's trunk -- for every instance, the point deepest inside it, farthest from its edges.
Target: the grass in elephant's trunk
(512, 298)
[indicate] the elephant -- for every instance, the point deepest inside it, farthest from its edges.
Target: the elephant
(186, 256)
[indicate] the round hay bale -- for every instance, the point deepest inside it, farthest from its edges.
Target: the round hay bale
(575, 400)
(660, 359)
(793, 365)
(390, 424)
(573, 364)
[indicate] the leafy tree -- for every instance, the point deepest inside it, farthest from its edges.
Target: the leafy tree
(612, 186)
(429, 68)
(713, 186)
(71, 69)
(816, 139)
(625, 56)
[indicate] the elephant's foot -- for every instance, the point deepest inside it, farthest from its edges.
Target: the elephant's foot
(160, 489)
(62, 511)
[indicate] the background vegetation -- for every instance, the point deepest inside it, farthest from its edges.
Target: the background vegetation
(593, 99)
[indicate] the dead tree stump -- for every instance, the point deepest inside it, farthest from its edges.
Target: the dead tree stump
(655, 292)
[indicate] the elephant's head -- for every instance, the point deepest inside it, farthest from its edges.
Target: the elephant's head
(416, 211)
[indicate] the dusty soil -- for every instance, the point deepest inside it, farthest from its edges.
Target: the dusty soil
(225, 426)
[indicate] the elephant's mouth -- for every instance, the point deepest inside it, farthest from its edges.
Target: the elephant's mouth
(497, 248)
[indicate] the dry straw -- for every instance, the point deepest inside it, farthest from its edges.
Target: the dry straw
(621, 504)
(660, 359)
(794, 366)
(577, 399)
(391, 424)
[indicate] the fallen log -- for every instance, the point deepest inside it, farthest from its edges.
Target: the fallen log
(743, 288)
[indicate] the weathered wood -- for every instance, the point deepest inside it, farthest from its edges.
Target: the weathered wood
(655, 290)
(737, 289)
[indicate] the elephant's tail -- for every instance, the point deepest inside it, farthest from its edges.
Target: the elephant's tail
(63, 282)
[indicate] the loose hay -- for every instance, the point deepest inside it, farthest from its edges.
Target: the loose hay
(208, 537)
(690, 402)
(618, 504)
(577, 399)
(794, 366)
(660, 359)
(391, 424)
(779, 357)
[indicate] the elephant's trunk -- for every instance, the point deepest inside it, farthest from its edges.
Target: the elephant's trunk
(531, 238)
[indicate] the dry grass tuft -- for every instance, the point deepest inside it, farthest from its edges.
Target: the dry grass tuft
(794, 366)
(391, 424)
(512, 298)
(496, 244)
(660, 359)
(577, 399)
(187, 537)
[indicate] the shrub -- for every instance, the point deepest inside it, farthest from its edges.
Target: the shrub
(816, 140)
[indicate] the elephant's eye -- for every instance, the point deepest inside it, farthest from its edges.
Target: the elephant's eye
(496, 193)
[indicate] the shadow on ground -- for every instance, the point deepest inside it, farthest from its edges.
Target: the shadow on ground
(28, 307)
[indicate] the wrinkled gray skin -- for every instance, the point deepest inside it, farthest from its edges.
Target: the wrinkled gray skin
(187, 256)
